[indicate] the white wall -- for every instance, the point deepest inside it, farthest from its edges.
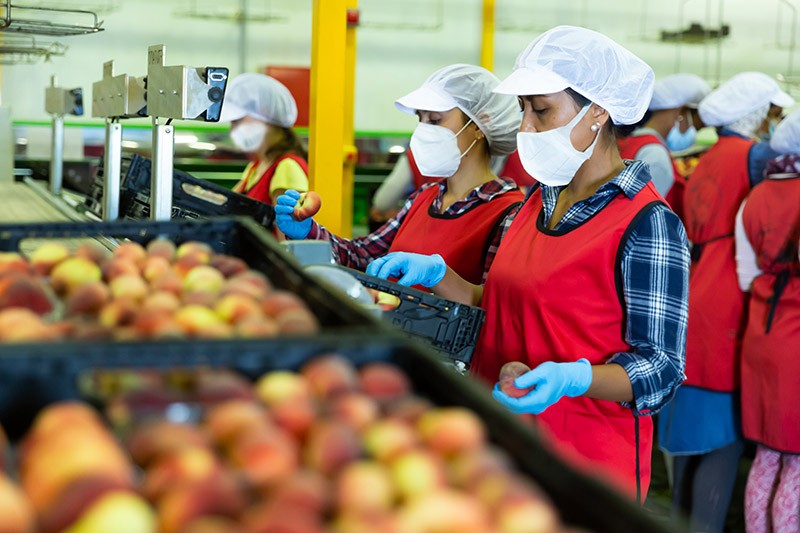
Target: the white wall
(394, 61)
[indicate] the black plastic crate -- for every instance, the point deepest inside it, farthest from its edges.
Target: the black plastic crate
(42, 375)
(191, 197)
(451, 328)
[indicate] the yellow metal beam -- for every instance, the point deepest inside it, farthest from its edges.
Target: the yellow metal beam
(330, 113)
(348, 125)
(487, 35)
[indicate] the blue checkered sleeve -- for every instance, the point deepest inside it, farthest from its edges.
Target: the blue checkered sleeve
(655, 273)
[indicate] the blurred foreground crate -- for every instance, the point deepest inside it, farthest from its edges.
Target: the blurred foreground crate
(45, 373)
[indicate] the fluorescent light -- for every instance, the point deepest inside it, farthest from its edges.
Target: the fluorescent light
(203, 146)
(185, 139)
(22, 140)
(396, 149)
(130, 144)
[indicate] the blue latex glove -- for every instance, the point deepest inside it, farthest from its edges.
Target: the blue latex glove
(412, 269)
(284, 207)
(552, 381)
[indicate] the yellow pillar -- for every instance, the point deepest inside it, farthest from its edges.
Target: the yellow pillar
(487, 35)
(331, 113)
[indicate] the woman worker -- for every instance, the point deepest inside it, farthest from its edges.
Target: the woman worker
(589, 283)
(701, 426)
(767, 233)
(462, 122)
(262, 112)
(670, 126)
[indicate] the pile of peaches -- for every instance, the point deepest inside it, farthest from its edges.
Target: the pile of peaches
(328, 449)
(154, 292)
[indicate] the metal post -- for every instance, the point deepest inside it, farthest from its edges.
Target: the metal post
(111, 170)
(57, 155)
(161, 177)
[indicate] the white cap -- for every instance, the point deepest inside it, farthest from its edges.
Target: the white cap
(786, 137)
(259, 96)
(678, 90)
(591, 64)
(471, 89)
(741, 95)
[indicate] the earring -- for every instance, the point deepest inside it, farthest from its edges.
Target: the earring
(595, 127)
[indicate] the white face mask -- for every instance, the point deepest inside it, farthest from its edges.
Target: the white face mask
(549, 155)
(248, 136)
(435, 150)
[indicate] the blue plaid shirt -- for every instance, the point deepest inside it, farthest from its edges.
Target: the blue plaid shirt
(655, 273)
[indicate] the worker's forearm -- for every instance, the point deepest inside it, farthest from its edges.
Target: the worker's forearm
(454, 287)
(610, 382)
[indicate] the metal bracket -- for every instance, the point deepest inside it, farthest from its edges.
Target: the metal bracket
(121, 96)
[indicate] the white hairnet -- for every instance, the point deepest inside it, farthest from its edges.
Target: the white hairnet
(259, 96)
(591, 64)
(471, 89)
(749, 124)
(678, 90)
(741, 95)
(786, 137)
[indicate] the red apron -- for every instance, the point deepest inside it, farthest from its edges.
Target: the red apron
(554, 296)
(260, 191)
(716, 303)
(513, 169)
(771, 345)
(630, 146)
(461, 240)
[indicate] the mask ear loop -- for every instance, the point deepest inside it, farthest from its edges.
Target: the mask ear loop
(473, 142)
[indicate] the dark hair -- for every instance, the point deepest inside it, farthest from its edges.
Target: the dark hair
(290, 144)
(616, 131)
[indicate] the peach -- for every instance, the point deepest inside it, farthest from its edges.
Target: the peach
(257, 327)
(186, 465)
(186, 263)
(228, 265)
(3, 449)
(155, 267)
(23, 325)
(203, 278)
(388, 438)
(295, 416)
(234, 308)
(255, 279)
(417, 472)
(194, 248)
(213, 386)
(90, 331)
(281, 385)
(196, 319)
(118, 266)
(93, 251)
(156, 325)
(408, 409)
(528, 516)
(356, 409)
(306, 489)
(59, 416)
(384, 382)
(243, 287)
(160, 301)
(307, 206)
(132, 251)
(75, 498)
(329, 375)
(87, 299)
(387, 302)
(385, 522)
(227, 420)
(113, 510)
(47, 255)
(131, 287)
(278, 302)
(13, 262)
(444, 511)
(467, 469)
(451, 430)
(71, 273)
(504, 487)
(201, 298)
(330, 445)
(364, 486)
(266, 457)
(297, 322)
(276, 517)
(15, 509)
(163, 248)
(121, 312)
(150, 441)
(22, 290)
(508, 373)
(212, 524)
(222, 496)
(168, 282)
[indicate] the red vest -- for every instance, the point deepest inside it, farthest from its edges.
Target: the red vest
(553, 296)
(462, 241)
(716, 304)
(771, 359)
(260, 191)
(513, 169)
(630, 146)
